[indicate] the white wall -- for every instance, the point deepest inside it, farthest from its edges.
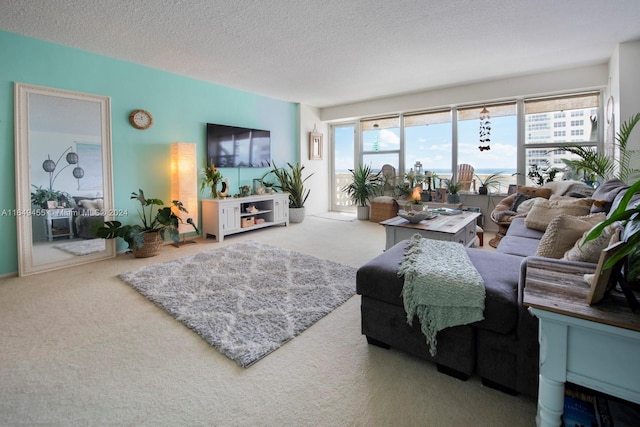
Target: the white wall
(318, 201)
(575, 79)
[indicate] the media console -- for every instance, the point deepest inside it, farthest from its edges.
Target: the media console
(222, 217)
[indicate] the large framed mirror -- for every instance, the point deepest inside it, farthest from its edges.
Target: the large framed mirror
(63, 177)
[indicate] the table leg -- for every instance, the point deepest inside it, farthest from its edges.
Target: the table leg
(550, 402)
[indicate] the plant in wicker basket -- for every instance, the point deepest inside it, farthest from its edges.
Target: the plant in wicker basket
(152, 227)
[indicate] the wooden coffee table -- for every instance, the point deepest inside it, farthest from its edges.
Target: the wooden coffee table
(454, 228)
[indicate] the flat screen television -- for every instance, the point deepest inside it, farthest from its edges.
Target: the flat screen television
(238, 147)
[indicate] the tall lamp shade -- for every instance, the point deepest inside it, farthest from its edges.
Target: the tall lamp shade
(184, 181)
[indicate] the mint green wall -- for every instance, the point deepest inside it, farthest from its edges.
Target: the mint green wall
(180, 106)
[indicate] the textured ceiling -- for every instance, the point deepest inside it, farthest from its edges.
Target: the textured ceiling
(331, 52)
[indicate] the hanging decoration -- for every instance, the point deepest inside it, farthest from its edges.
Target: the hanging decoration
(485, 130)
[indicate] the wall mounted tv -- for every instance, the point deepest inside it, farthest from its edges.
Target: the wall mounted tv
(237, 147)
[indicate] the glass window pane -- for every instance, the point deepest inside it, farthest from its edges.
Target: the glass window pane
(501, 157)
(343, 155)
(428, 141)
(381, 134)
(559, 120)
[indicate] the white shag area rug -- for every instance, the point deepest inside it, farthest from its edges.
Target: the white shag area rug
(246, 299)
(82, 247)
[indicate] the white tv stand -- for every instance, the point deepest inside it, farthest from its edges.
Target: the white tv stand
(222, 217)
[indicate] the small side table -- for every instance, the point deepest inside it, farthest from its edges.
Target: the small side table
(593, 346)
(55, 214)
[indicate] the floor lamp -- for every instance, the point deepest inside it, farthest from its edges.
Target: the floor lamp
(184, 184)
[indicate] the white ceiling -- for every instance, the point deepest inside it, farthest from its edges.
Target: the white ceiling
(331, 52)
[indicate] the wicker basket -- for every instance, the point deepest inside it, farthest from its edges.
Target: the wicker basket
(248, 222)
(383, 208)
(151, 247)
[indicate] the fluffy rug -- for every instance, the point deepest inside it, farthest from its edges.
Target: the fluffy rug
(246, 299)
(82, 247)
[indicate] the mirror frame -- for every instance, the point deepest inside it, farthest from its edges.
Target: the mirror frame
(26, 264)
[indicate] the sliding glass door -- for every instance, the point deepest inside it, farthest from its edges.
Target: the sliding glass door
(343, 138)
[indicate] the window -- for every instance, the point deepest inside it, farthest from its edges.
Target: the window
(502, 156)
(428, 141)
(566, 111)
(430, 138)
(381, 142)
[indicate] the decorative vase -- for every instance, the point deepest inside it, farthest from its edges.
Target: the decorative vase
(453, 198)
(483, 190)
(151, 247)
(296, 215)
(214, 190)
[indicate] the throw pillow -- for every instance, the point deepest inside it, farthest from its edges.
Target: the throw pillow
(520, 197)
(534, 191)
(544, 211)
(526, 206)
(563, 232)
(605, 194)
(590, 251)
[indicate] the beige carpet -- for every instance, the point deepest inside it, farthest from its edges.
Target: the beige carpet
(80, 347)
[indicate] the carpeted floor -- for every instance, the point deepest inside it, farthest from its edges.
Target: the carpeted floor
(80, 347)
(246, 299)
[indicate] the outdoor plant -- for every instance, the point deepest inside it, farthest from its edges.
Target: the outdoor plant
(291, 181)
(540, 175)
(164, 220)
(452, 186)
(364, 185)
(492, 181)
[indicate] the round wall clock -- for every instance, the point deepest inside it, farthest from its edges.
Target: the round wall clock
(141, 119)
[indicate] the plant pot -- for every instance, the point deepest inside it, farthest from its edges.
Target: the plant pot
(296, 215)
(453, 198)
(417, 207)
(152, 244)
(363, 212)
(483, 190)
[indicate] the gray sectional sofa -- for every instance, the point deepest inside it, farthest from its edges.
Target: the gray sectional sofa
(503, 348)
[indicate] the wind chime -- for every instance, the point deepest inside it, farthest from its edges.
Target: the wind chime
(485, 130)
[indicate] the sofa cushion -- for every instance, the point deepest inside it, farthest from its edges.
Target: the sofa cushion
(590, 251)
(563, 231)
(605, 194)
(544, 211)
(519, 228)
(534, 191)
(518, 246)
(501, 289)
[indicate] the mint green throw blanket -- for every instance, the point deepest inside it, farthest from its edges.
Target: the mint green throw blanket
(441, 286)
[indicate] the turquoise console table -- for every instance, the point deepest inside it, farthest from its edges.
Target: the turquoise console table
(593, 346)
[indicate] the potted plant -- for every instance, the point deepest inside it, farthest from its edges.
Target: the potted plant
(211, 178)
(452, 189)
(40, 196)
(490, 181)
(291, 181)
(364, 185)
(145, 239)
(594, 165)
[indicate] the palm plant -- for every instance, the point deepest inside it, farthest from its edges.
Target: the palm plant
(593, 165)
(291, 181)
(365, 184)
(490, 181)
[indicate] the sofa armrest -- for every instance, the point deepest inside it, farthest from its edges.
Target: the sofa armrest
(556, 262)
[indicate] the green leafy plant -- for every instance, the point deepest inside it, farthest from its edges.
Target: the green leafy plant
(452, 186)
(40, 196)
(630, 219)
(164, 220)
(491, 181)
(594, 165)
(540, 175)
(291, 181)
(364, 185)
